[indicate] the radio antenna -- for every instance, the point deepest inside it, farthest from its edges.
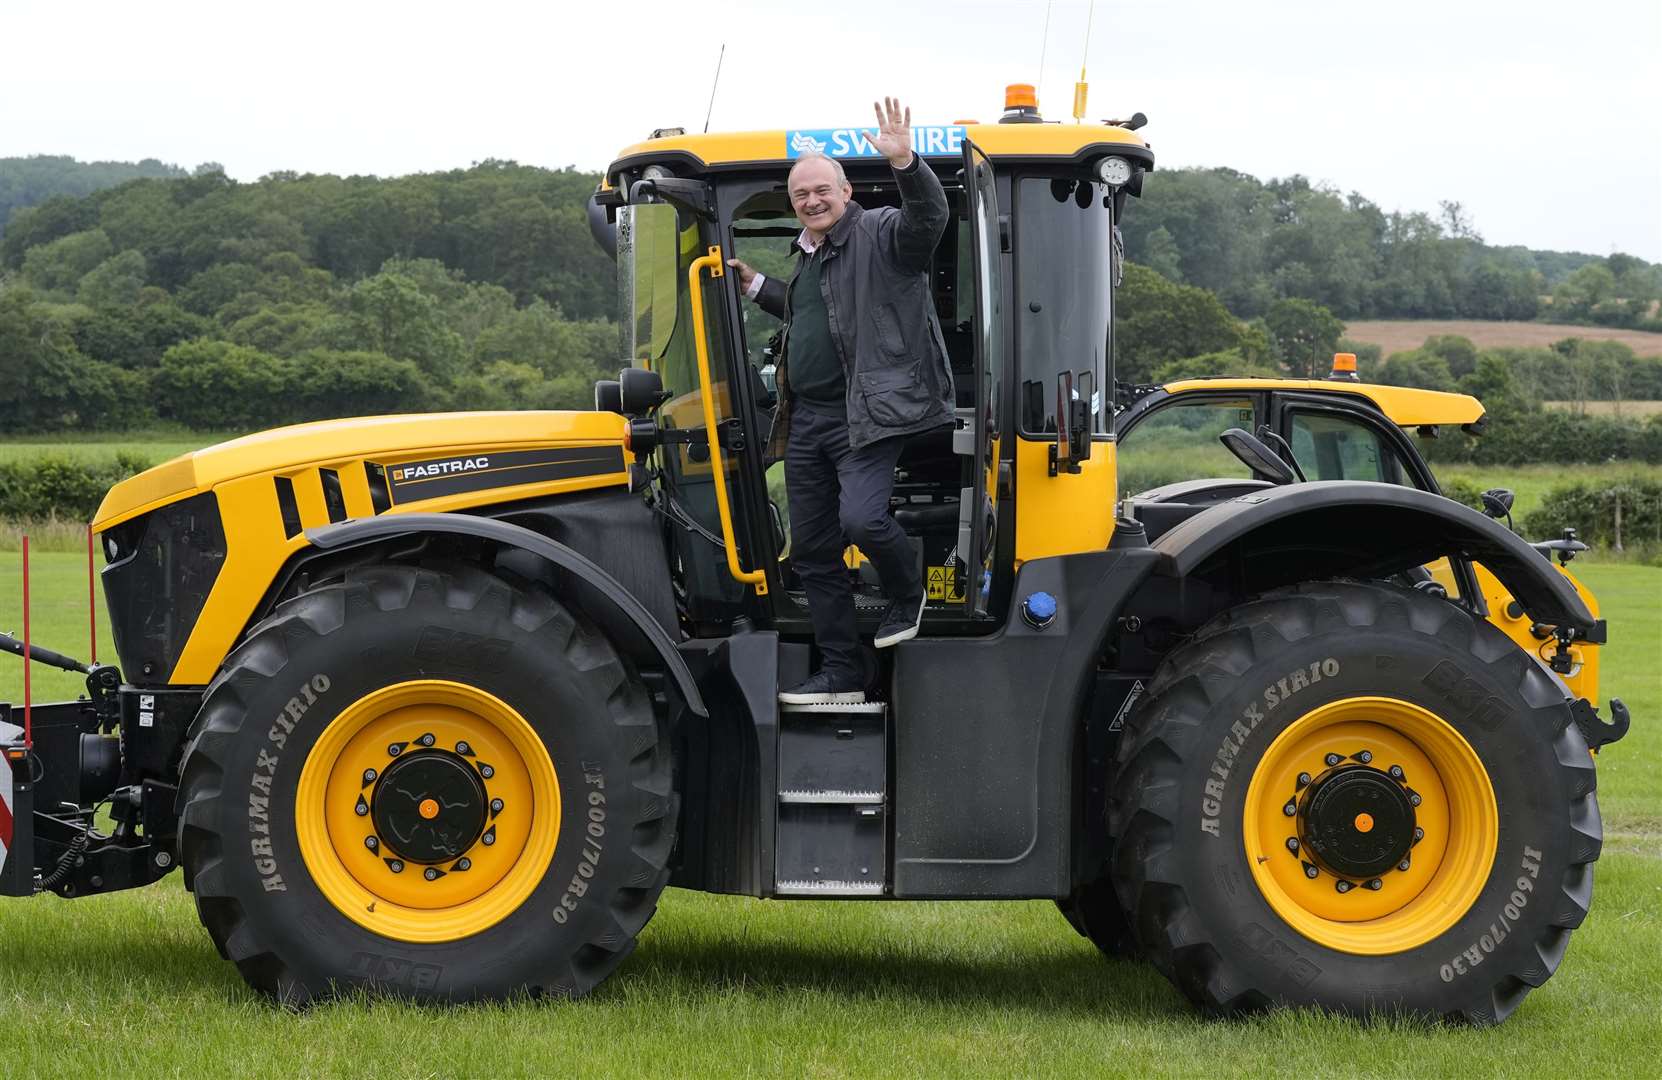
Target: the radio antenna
(1080, 88)
(713, 84)
(1044, 45)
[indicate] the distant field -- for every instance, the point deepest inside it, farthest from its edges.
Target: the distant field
(1610, 408)
(1397, 335)
(153, 446)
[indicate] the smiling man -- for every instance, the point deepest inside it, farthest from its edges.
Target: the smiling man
(867, 367)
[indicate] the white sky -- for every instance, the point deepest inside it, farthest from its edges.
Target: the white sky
(1543, 118)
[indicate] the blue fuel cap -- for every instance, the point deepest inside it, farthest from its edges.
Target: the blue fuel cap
(1039, 609)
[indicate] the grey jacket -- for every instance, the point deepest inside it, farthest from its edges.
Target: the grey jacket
(876, 287)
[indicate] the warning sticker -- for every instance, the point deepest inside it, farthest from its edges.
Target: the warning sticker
(943, 583)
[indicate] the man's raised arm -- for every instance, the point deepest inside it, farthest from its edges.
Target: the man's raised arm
(911, 235)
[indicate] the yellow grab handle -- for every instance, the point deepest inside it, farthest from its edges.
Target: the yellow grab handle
(711, 261)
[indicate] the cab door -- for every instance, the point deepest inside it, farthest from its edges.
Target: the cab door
(975, 432)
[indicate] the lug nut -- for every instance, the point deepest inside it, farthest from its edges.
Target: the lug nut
(164, 860)
(1414, 798)
(489, 838)
(371, 843)
(370, 775)
(1419, 834)
(1303, 780)
(1396, 772)
(1376, 884)
(431, 873)
(394, 749)
(1365, 756)
(1403, 865)
(496, 806)
(1311, 872)
(1290, 809)
(463, 863)
(463, 748)
(395, 865)
(486, 771)
(1343, 886)
(1292, 844)
(426, 739)
(1332, 760)
(362, 808)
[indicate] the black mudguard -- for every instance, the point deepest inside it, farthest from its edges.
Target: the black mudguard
(1356, 529)
(634, 629)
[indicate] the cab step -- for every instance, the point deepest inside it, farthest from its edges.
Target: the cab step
(832, 833)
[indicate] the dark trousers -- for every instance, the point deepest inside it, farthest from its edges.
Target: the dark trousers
(840, 496)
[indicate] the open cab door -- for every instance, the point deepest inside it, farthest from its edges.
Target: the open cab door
(976, 433)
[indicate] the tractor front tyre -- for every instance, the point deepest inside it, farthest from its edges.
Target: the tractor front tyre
(1359, 798)
(1094, 911)
(430, 783)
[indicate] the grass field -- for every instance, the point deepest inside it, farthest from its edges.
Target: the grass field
(129, 982)
(1639, 409)
(153, 446)
(1398, 335)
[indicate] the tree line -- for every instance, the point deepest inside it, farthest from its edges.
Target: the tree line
(196, 299)
(223, 305)
(1256, 242)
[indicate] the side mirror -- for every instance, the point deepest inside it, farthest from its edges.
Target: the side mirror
(1073, 424)
(1256, 456)
(1497, 503)
(640, 391)
(648, 277)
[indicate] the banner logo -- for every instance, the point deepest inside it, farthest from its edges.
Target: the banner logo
(851, 142)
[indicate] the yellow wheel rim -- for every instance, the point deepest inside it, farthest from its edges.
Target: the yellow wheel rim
(454, 860)
(1323, 792)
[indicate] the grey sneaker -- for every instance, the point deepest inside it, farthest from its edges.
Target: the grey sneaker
(900, 622)
(825, 688)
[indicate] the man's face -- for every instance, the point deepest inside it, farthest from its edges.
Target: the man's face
(817, 196)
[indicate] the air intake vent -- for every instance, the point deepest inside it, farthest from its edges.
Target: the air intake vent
(379, 497)
(288, 507)
(333, 499)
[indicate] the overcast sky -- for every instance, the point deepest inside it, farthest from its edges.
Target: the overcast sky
(1543, 118)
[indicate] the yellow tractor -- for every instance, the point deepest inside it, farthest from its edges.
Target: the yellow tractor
(437, 705)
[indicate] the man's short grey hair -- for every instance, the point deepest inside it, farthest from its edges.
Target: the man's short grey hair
(815, 155)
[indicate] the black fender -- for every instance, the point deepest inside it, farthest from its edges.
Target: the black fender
(1355, 528)
(632, 626)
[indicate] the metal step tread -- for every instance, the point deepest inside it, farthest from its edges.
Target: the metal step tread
(833, 797)
(829, 888)
(855, 707)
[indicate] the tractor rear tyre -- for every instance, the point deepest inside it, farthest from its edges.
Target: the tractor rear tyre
(434, 783)
(1355, 797)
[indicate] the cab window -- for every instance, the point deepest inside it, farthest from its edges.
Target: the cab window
(1335, 447)
(1180, 442)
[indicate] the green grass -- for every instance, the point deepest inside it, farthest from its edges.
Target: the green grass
(129, 982)
(154, 446)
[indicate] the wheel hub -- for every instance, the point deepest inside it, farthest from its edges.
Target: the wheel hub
(1356, 821)
(429, 806)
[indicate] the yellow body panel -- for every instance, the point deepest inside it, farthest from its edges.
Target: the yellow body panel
(241, 473)
(1068, 512)
(996, 140)
(374, 437)
(1405, 406)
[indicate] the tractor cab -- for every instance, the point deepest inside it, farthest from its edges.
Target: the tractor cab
(1023, 286)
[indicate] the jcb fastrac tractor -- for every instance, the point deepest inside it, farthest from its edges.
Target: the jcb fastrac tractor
(438, 705)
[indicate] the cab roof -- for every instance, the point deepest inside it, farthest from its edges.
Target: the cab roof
(1404, 406)
(732, 150)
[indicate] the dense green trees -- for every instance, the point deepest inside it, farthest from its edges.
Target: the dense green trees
(1254, 243)
(28, 181)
